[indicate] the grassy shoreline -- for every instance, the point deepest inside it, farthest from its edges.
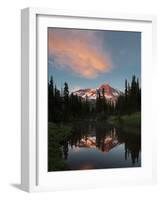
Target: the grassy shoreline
(127, 120)
(57, 136)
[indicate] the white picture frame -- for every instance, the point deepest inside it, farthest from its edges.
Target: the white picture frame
(34, 176)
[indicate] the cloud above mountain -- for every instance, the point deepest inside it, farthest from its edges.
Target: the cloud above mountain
(79, 51)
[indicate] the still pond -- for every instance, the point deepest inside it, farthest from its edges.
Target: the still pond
(96, 145)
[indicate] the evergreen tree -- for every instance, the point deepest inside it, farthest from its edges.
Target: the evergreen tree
(98, 102)
(66, 101)
(66, 92)
(131, 101)
(104, 102)
(57, 105)
(50, 99)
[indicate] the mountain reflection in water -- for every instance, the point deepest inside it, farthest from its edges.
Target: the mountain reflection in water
(100, 145)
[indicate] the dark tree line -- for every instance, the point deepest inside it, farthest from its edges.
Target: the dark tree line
(103, 107)
(63, 106)
(130, 101)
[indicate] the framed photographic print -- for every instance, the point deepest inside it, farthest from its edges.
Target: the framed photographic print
(86, 108)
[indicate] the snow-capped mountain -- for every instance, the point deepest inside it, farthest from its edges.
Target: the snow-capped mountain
(110, 93)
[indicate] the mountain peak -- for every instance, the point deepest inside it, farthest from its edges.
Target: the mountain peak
(106, 87)
(111, 94)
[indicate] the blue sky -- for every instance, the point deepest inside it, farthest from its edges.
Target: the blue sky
(89, 58)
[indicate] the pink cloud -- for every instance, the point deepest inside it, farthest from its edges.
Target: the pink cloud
(78, 51)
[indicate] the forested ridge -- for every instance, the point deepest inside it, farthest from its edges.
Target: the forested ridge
(64, 106)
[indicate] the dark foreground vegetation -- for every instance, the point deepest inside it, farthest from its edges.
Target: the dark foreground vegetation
(57, 137)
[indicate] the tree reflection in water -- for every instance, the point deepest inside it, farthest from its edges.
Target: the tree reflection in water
(104, 138)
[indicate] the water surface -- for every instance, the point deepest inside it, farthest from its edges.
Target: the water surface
(100, 145)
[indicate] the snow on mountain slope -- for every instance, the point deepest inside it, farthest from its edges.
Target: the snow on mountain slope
(91, 94)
